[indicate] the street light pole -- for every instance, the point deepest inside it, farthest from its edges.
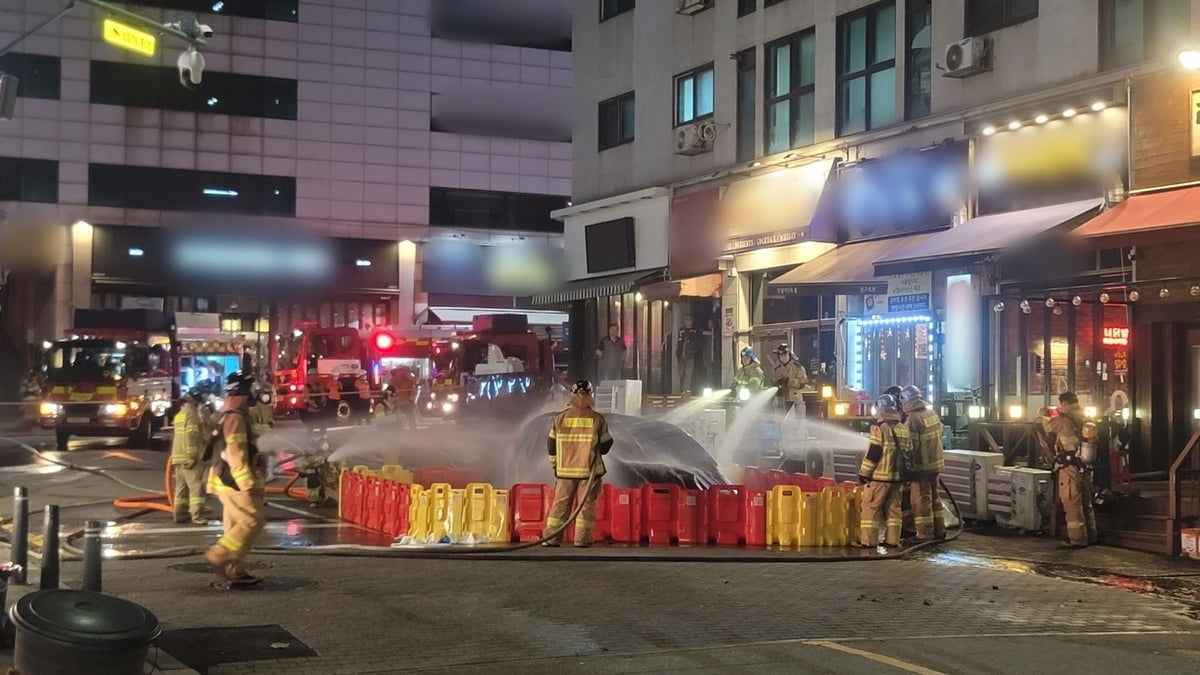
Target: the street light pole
(193, 40)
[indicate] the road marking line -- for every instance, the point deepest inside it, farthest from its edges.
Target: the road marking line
(878, 658)
(1099, 633)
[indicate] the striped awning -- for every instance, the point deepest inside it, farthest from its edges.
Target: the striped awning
(597, 287)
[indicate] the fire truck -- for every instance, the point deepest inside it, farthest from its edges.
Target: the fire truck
(113, 375)
(337, 354)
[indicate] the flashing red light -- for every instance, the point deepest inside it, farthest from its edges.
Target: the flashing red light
(385, 341)
(291, 387)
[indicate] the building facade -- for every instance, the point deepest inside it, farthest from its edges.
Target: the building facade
(876, 184)
(364, 138)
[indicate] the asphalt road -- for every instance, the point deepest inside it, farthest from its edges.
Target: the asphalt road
(936, 613)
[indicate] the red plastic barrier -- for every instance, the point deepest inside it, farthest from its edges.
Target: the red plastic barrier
(625, 515)
(460, 478)
(799, 480)
(754, 478)
(373, 503)
(777, 477)
(530, 504)
(848, 486)
(660, 513)
(396, 500)
(691, 519)
(737, 516)
(350, 495)
(428, 475)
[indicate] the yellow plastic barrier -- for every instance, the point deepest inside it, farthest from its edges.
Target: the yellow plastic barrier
(395, 473)
(834, 514)
(810, 519)
(418, 513)
(477, 519)
(439, 510)
(785, 522)
(853, 513)
(500, 531)
(366, 471)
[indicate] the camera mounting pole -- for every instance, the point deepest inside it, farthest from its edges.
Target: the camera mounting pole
(121, 12)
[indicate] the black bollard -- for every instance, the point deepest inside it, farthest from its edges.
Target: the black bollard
(20, 540)
(50, 549)
(92, 545)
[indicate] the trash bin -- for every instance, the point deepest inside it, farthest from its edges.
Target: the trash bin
(69, 631)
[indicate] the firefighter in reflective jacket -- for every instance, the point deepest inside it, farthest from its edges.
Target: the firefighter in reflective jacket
(880, 472)
(578, 440)
(925, 429)
(750, 375)
(316, 403)
(238, 479)
(261, 414)
(186, 449)
(790, 376)
(1074, 472)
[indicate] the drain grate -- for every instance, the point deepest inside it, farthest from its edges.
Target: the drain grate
(205, 568)
(269, 584)
(203, 648)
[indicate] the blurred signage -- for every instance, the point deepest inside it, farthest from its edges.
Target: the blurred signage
(904, 193)
(137, 302)
(905, 293)
(960, 357)
(128, 37)
(694, 242)
(1061, 161)
(461, 268)
(1194, 121)
(775, 209)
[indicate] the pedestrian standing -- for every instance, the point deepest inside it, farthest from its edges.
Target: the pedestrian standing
(687, 349)
(610, 354)
(880, 473)
(578, 441)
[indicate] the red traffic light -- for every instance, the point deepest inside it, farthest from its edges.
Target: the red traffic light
(385, 341)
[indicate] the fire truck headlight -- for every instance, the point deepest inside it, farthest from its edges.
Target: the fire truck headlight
(429, 406)
(50, 409)
(453, 397)
(120, 409)
(447, 407)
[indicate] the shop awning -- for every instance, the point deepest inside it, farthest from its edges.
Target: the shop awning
(597, 287)
(706, 286)
(1151, 218)
(464, 316)
(846, 270)
(976, 241)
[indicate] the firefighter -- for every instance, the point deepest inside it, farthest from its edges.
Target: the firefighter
(790, 376)
(578, 440)
(405, 399)
(361, 405)
(238, 479)
(31, 396)
(316, 403)
(187, 445)
(880, 472)
(750, 375)
(262, 416)
(925, 429)
(1074, 472)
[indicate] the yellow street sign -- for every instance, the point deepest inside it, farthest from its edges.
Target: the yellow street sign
(128, 37)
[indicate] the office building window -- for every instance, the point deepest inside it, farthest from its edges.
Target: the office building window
(768, 3)
(791, 78)
(918, 57)
(39, 76)
(145, 187)
(611, 8)
(490, 210)
(143, 86)
(616, 121)
(985, 16)
(746, 100)
(694, 95)
(747, 7)
(1132, 31)
(866, 69)
(28, 180)
(274, 10)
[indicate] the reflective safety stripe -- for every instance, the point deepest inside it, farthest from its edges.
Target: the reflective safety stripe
(229, 543)
(577, 423)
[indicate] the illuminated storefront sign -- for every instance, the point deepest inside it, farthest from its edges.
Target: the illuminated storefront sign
(961, 355)
(1115, 336)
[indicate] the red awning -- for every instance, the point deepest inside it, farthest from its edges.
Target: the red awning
(1152, 218)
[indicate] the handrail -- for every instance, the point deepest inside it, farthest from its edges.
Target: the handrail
(1173, 474)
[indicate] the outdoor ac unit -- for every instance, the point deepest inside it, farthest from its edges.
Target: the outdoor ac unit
(693, 139)
(967, 57)
(1019, 497)
(619, 396)
(966, 476)
(691, 6)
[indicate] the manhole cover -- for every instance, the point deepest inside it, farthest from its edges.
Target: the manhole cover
(205, 568)
(269, 584)
(203, 648)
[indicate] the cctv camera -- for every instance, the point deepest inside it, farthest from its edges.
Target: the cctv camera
(191, 68)
(191, 27)
(206, 30)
